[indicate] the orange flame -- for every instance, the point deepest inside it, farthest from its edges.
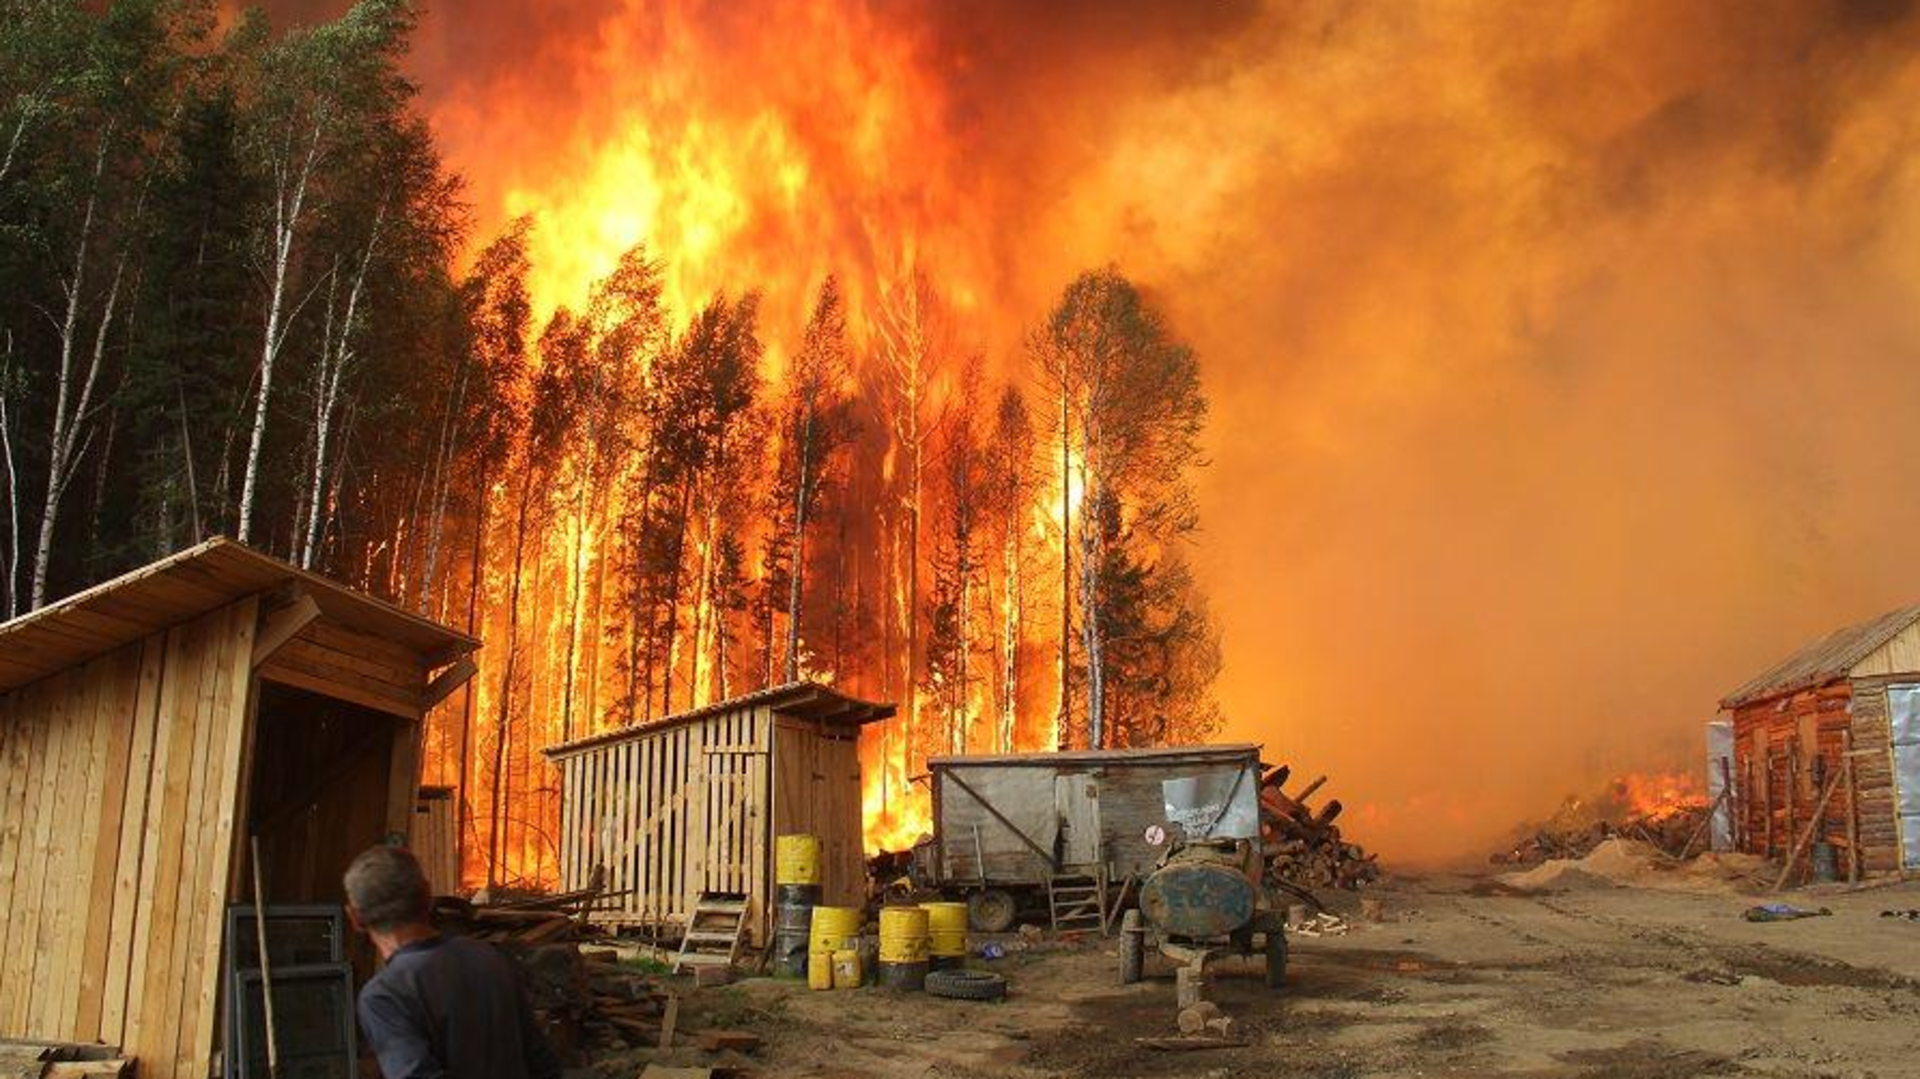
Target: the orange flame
(1659, 795)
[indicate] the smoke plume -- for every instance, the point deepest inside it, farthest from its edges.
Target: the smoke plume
(1560, 355)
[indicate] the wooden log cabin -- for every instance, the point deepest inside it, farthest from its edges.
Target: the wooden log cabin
(1839, 721)
(152, 725)
(691, 803)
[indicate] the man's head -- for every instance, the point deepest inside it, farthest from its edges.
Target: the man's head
(387, 893)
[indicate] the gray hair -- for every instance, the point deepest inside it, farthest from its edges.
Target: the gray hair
(388, 888)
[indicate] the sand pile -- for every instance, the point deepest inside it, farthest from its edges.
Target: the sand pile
(1633, 864)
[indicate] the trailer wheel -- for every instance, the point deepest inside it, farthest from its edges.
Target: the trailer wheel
(1276, 959)
(991, 911)
(1133, 947)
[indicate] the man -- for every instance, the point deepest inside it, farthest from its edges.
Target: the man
(441, 1007)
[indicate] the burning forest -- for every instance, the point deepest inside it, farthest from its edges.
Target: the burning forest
(625, 495)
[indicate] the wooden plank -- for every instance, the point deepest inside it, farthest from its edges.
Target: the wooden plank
(16, 740)
(23, 913)
(404, 683)
(188, 960)
(233, 713)
(23, 916)
(447, 681)
(278, 627)
(133, 829)
(118, 716)
(151, 1027)
(382, 701)
(54, 960)
(653, 796)
(569, 853)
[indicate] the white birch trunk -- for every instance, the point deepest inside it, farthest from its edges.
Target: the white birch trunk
(334, 362)
(73, 392)
(289, 203)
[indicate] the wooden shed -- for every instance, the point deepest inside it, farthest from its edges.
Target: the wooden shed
(148, 727)
(1841, 713)
(691, 804)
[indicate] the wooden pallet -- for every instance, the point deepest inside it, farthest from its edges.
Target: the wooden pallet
(1077, 901)
(713, 932)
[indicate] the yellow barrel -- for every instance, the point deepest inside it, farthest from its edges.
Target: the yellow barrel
(846, 969)
(903, 935)
(833, 929)
(946, 929)
(819, 971)
(796, 859)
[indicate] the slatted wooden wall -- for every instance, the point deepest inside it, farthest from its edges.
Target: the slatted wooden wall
(117, 817)
(669, 813)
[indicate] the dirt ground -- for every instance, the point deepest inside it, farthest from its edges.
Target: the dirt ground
(1463, 978)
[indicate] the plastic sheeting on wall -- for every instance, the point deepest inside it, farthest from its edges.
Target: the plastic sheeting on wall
(1903, 717)
(1719, 773)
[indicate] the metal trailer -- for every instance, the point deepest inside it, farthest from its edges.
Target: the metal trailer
(1075, 834)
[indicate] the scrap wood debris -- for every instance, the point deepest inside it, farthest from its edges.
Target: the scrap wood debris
(1323, 924)
(1303, 845)
(22, 1058)
(583, 996)
(1674, 828)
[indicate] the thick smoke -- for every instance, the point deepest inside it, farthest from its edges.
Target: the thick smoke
(1561, 355)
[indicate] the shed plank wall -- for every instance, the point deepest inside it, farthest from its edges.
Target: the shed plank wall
(1873, 772)
(1900, 654)
(672, 813)
(1771, 735)
(117, 816)
(667, 815)
(817, 792)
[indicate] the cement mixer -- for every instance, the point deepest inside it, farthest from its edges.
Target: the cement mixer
(1206, 899)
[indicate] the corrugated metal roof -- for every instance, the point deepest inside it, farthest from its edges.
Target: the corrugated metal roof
(183, 586)
(803, 700)
(1824, 660)
(1149, 755)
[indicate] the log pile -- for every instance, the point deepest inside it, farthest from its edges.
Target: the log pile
(1303, 845)
(583, 996)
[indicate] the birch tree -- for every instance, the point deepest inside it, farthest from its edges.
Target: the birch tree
(1133, 396)
(314, 98)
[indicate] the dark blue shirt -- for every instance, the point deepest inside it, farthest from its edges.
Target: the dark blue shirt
(452, 1008)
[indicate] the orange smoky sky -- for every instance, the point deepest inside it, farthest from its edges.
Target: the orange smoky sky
(1562, 356)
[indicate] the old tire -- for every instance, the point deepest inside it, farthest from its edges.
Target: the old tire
(1276, 959)
(1133, 948)
(991, 911)
(966, 985)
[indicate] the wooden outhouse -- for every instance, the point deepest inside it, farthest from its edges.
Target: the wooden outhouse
(691, 804)
(149, 728)
(1838, 720)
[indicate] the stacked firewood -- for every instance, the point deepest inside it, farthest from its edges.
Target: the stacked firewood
(584, 997)
(1303, 845)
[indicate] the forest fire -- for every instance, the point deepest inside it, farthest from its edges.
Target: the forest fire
(546, 349)
(877, 492)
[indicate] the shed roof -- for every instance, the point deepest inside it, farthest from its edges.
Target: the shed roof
(803, 700)
(187, 584)
(1826, 659)
(1150, 755)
